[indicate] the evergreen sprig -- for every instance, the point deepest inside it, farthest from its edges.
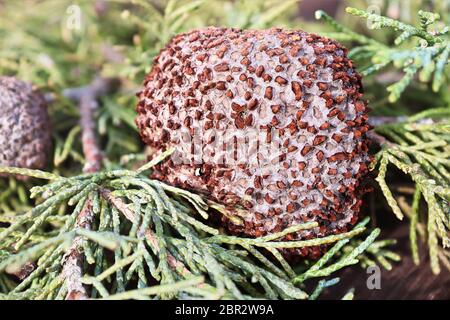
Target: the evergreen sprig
(428, 57)
(157, 233)
(421, 149)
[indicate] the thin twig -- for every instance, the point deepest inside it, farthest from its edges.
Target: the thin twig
(73, 259)
(379, 120)
(377, 138)
(87, 99)
(385, 120)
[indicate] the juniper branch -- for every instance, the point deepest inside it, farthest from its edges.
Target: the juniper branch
(87, 98)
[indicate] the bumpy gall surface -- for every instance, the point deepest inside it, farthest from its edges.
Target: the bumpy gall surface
(25, 135)
(298, 91)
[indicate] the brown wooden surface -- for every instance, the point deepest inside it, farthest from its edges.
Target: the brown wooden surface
(404, 281)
